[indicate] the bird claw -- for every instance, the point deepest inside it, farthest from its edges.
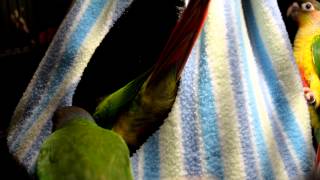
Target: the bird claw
(309, 95)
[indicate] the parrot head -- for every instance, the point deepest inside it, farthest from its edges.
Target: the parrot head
(304, 11)
(65, 114)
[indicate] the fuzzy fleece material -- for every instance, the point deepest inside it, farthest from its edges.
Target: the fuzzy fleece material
(58, 74)
(240, 112)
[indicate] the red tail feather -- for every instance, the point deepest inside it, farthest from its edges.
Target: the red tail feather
(182, 38)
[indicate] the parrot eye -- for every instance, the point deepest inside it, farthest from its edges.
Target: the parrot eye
(307, 6)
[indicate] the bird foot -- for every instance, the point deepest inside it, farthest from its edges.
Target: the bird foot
(309, 95)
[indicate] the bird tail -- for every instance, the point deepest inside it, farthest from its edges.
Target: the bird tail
(180, 43)
(156, 96)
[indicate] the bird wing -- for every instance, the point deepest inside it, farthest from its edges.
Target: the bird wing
(316, 54)
(111, 105)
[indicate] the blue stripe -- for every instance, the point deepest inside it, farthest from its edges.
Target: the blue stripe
(72, 48)
(286, 116)
(264, 159)
(287, 159)
(274, 9)
(192, 163)
(68, 97)
(135, 165)
(208, 116)
(51, 55)
(44, 73)
(34, 150)
(152, 157)
(76, 40)
(239, 93)
(45, 132)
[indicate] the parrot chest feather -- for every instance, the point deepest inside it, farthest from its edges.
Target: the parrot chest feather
(303, 50)
(306, 48)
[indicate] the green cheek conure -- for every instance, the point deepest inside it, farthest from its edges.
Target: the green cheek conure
(307, 54)
(81, 150)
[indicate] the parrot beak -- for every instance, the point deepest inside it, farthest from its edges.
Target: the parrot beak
(293, 10)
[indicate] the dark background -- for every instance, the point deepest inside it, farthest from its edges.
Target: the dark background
(130, 48)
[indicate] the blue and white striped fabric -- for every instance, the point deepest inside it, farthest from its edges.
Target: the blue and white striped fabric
(240, 111)
(58, 74)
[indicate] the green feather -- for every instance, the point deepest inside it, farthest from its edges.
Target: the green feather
(148, 109)
(111, 105)
(316, 4)
(316, 54)
(81, 150)
(138, 109)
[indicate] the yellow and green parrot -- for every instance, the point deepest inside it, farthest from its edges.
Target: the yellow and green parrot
(138, 109)
(81, 150)
(307, 54)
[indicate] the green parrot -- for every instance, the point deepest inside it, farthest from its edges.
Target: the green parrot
(138, 109)
(307, 55)
(79, 149)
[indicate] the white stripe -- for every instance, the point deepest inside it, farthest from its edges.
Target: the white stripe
(170, 144)
(286, 139)
(263, 116)
(227, 116)
(272, 137)
(26, 95)
(247, 53)
(286, 71)
(140, 164)
(271, 146)
(66, 41)
(32, 134)
(281, 59)
(73, 76)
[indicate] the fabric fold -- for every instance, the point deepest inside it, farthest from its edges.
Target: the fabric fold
(240, 111)
(58, 74)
